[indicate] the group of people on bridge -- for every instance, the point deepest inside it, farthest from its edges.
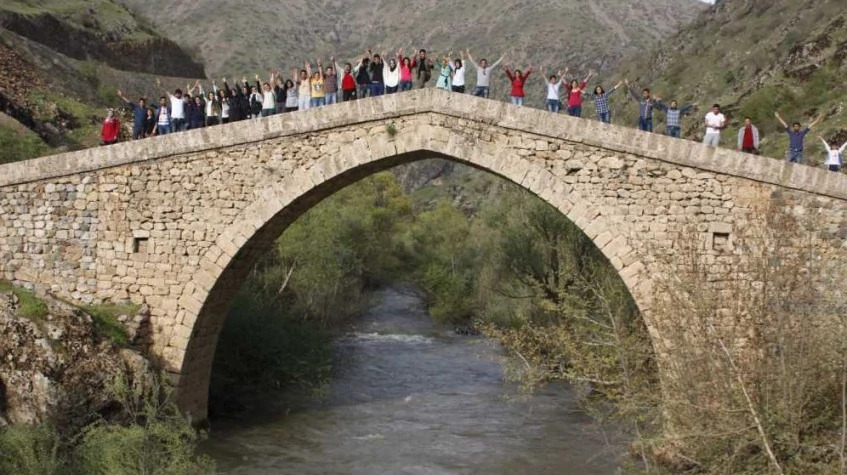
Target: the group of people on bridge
(374, 75)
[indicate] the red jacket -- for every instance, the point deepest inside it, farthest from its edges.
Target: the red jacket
(575, 95)
(518, 82)
(111, 130)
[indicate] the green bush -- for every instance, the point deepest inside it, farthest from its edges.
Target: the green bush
(30, 450)
(29, 305)
(15, 146)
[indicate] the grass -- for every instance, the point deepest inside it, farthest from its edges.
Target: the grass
(29, 305)
(106, 324)
(16, 145)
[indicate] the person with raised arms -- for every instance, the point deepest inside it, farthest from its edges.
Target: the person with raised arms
(391, 76)
(554, 86)
(304, 87)
(423, 67)
(405, 64)
(674, 115)
(457, 67)
(483, 75)
(177, 108)
(518, 80)
(601, 102)
(834, 154)
(139, 116)
(575, 90)
(445, 70)
(646, 103)
(796, 137)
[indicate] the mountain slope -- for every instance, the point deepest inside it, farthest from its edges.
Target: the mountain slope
(270, 33)
(755, 57)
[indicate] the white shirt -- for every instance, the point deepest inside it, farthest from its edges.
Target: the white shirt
(268, 100)
(714, 122)
(553, 90)
(391, 78)
(210, 111)
(458, 74)
(177, 108)
(833, 156)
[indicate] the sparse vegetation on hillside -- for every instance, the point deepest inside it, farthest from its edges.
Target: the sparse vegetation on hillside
(755, 57)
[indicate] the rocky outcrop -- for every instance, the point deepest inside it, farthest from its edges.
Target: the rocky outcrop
(56, 368)
(153, 55)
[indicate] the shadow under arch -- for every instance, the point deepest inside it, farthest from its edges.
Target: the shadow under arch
(227, 264)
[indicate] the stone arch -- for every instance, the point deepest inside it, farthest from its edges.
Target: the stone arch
(206, 299)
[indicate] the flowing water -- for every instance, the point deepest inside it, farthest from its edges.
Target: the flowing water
(412, 398)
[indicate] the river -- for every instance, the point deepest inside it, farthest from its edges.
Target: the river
(409, 397)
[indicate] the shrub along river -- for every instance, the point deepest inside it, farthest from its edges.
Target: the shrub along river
(411, 397)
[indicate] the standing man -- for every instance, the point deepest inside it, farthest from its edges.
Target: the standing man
(748, 137)
(139, 116)
(715, 122)
(377, 76)
(646, 103)
(673, 116)
(424, 68)
(483, 75)
(178, 122)
(796, 137)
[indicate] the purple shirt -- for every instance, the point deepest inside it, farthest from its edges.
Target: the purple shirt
(796, 138)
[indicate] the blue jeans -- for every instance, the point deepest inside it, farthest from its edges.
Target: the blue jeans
(795, 156)
(405, 86)
(553, 105)
(674, 131)
(482, 91)
(163, 129)
(318, 102)
(179, 125)
(575, 111)
(518, 101)
(331, 98)
(605, 117)
(377, 89)
(645, 124)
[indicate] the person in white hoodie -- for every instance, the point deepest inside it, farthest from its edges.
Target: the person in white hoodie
(833, 154)
(391, 76)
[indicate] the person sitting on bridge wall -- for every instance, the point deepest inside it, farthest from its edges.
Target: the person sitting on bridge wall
(673, 116)
(796, 137)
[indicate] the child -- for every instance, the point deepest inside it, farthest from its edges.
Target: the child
(673, 116)
(518, 79)
(601, 102)
(796, 137)
(833, 158)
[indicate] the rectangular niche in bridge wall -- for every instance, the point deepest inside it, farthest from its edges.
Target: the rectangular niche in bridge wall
(140, 242)
(720, 237)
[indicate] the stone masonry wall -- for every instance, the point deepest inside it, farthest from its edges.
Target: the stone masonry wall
(175, 222)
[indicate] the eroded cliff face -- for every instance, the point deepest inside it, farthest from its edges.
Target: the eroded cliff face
(56, 368)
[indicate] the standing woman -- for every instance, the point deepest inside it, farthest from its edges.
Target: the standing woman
(575, 90)
(363, 77)
(405, 71)
(291, 100)
(317, 84)
(518, 79)
(111, 129)
(304, 87)
(223, 100)
(458, 68)
(279, 93)
(601, 102)
(196, 113)
(348, 83)
(445, 68)
(554, 86)
(391, 76)
(150, 123)
(213, 107)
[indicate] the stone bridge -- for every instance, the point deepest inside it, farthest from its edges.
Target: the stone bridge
(176, 222)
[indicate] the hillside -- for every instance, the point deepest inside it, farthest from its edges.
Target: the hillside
(755, 57)
(61, 64)
(596, 33)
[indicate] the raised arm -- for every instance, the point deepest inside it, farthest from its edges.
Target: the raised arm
(815, 122)
(780, 119)
(502, 57)
(470, 58)
(825, 143)
(121, 95)
(508, 73)
(527, 73)
(585, 81)
(308, 67)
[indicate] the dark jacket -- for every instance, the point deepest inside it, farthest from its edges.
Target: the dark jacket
(239, 108)
(376, 71)
(196, 115)
(362, 75)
